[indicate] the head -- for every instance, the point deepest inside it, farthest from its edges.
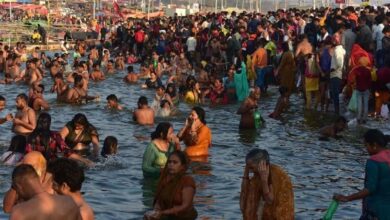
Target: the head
(160, 90)
(36, 160)
(171, 89)
(18, 144)
(177, 163)
(198, 113)
(130, 69)
(80, 121)
(165, 104)
(254, 157)
(142, 101)
(38, 89)
(68, 175)
(255, 93)
(21, 101)
(22, 177)
(112, 101)
(43, 122)
(78, 81)
(375, 141)
(110, 146)
(341, 123)
(163, 131)
(2, 103)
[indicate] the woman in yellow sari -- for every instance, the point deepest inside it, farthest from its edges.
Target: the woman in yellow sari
(268, 193)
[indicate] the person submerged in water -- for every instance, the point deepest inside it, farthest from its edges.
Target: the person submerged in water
(248, 108)
(110, 146)
(282, 103)
(144, 115)
(131, 76)
(112, 102)
(332, 130)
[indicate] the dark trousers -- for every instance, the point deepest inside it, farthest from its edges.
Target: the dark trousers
(334, 89)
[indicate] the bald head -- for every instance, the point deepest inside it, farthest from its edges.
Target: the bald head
(36, 160)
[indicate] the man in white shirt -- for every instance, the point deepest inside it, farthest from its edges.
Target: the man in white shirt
(336, 72)
(191, 47)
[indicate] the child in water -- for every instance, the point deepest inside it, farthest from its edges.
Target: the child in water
(282, 103)
(331, 130)
(110, 146)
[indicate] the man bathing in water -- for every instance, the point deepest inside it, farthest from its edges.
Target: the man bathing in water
(332, 130)
(60, 87)
(68, 178)
(25, 118)
(144, 115)
(38, 203)
(8, 117)
(36, 100)
(112, 102)
(77, 94)
(248, 108)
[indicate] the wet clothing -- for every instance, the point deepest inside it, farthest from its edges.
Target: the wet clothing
(72, 139)
(55, 146)
(287, 71)
(241, 83)
(154, 159)
(153, 84)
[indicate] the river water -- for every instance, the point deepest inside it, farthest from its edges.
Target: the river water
(116, 189)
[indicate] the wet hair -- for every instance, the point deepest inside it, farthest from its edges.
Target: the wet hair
(173, 87)
(112, 97)
(201, 113)
(77, 79)
(341, 119)
(375, 136)
(18, 144)
(142, 100)
(23, 96)
(257, 155)
(182, 157)
(2, 98)
(163, 102)
(67, 171)
(130, 69)
(161, 131)
(23, 171)
(41, 134)
(110, 146)
(285, 47)
(283, 90)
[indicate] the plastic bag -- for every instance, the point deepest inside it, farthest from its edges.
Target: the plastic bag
(385, 111)
(353, 104)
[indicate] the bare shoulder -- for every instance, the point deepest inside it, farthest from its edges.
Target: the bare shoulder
(86, 212)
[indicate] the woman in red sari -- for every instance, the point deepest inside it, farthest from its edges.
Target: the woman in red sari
(175, 191)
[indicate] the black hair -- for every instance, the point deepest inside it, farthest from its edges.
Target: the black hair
(109, 146)
(41, 134)
(161, 131)
(341, 119)
(282, 90)
(142, 100)
(257, 155)
(23, 171)
(112, 97)
(77, 79)
(163, 102)
(182, 157)
(2, 98)
(375, 136)
(22, 96)
(67, 171)
(18, 144)
(173, 93)
(130, 69)
(201, 113)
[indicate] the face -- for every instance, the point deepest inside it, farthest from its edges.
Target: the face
(59, 188)
(217, 83)
(371, 149)
(174, 165)
(19, 103)
(2, 105)
(78, 126)
(111, 103)
(194, 116)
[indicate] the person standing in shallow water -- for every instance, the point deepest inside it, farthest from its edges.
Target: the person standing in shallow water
(144, 115)
(268, 193)
(247, 109)
(376, 191)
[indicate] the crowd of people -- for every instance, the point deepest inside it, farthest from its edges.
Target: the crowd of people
(333, 57)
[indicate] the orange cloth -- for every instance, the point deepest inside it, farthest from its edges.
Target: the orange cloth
(282, 208)
(202, 144)
(259, 58)
(356, 57)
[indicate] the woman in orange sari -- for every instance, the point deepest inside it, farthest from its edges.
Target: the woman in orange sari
(268, 193)
(195, 134)
(175, 191)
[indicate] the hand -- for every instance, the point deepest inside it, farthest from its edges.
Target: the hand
(189, 122)
(152, 215)
(264, 171)
(16, 121)
(340, 198)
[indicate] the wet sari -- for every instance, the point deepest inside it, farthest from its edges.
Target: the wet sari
(282, 208)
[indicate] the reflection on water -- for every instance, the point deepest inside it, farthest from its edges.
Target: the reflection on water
(116, 189)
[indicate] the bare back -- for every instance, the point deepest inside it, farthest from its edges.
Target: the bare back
(144, 116)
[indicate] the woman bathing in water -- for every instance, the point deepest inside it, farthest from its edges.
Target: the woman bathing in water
(78, 94)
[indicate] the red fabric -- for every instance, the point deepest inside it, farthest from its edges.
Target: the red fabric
(383, 77)
(117, 9)
(363, 78)
(139, 36)
(382, 157)
(357, 53)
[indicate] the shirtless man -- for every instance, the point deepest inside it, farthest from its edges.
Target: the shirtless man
(68, 178)
(77, 94)
(38, 203)
(25, 119)
(60, 87)
(144, 115)
(248, 108)
(55, 68)
(333, 129)
(83, 72)
(38, 162)
(94, 53)
(33, 75)
(97, 74)
(112, 102)
(304, 48)
(36, 100)
(131, 77)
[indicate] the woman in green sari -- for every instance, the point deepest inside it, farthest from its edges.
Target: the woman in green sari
(164, 141)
